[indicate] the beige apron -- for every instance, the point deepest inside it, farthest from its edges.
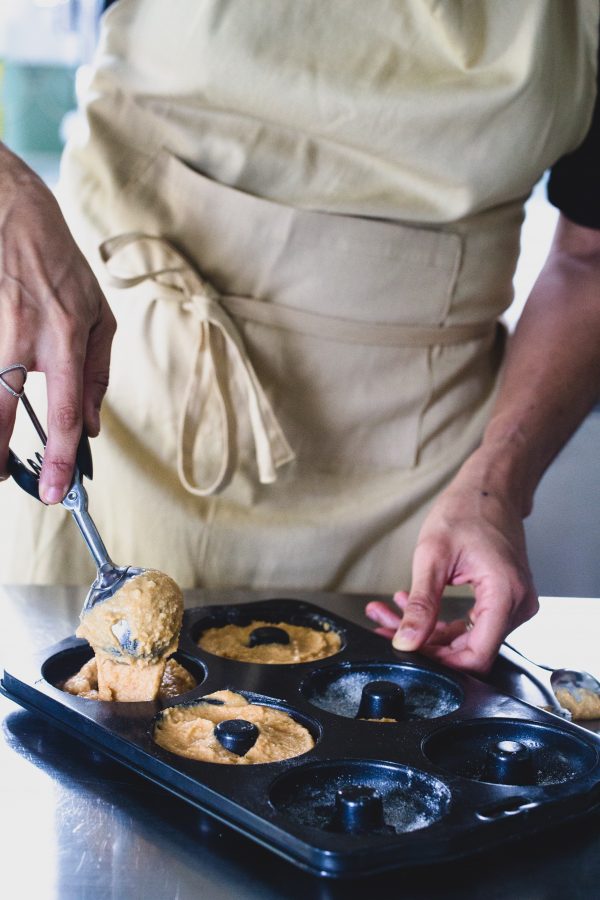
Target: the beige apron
(291, 387)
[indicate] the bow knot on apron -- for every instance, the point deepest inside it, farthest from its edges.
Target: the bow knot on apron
(206, 400)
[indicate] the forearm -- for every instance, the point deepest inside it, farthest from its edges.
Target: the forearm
(552, 372)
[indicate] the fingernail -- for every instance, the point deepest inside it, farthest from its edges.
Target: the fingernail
(405, 639)
(53, 494)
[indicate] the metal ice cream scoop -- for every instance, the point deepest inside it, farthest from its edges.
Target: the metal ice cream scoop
(109, 578)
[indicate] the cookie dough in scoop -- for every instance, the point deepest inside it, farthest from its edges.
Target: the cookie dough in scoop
(189, 730)
(304, 644)
(150, 607)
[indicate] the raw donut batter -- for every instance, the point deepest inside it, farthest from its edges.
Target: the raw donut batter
(151, 605)
(305, 645)
(581, 703)
(188, 730)
(175, 681)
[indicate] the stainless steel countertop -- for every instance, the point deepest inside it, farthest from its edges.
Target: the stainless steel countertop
(74, 824)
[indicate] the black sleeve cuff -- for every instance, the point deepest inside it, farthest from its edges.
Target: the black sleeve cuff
(574, 188)
(574, 183)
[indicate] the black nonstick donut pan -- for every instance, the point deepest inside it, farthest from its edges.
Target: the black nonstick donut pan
(462, 769)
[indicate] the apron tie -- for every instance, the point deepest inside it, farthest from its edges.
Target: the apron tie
(205, 388)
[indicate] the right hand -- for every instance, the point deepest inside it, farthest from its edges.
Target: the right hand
(54, 319)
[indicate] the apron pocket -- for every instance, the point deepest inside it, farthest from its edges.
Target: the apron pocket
(349, 395)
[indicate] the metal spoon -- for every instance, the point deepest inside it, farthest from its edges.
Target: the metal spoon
(566, 679)
(572, 680)
(109, 578)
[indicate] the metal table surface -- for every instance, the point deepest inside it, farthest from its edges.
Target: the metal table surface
(74, 824)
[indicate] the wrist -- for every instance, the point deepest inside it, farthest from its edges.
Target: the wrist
(503, 466)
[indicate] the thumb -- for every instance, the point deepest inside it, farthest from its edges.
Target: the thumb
(423, 605)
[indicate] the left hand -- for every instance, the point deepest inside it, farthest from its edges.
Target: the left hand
(474, 532)
(471, 536)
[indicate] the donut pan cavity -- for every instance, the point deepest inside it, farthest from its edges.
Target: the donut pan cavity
(461, 768)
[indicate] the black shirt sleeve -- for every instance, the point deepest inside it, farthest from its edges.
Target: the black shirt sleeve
(574, 182)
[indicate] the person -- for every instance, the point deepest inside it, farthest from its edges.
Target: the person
(308, 219)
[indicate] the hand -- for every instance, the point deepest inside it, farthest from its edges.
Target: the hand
(474, 533)
(53, 319)
(471, 536)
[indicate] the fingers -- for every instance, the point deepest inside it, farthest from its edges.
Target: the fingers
(386, 632)
(95, 375)
(445, 633)
(442, 635)
(75, 386)
(421, 608)
(8, 411)
(499, 607)
(64, 384)
(490, 625)
(379, 612)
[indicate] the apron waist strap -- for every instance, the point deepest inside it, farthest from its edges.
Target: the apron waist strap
(205, 392)
(353, 331)
(178, 280)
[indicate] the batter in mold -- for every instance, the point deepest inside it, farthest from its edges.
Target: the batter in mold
(295, 643)
(152, 606)
(189, 730)
(175, 681)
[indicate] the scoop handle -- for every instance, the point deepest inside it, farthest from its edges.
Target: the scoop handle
(76, 501)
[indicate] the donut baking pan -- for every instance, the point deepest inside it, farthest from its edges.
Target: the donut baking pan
(412, 763)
